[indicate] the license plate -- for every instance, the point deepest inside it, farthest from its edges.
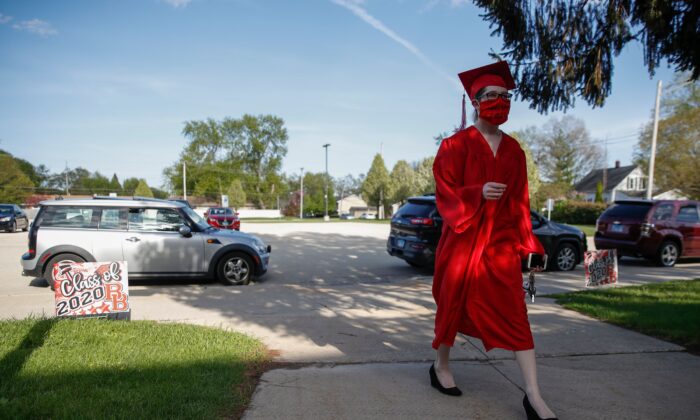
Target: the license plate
(617, 228)
(400, 243)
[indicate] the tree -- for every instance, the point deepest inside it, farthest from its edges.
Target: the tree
(599, 192)
(533, 172)
(236, 195)
(114, 184)
(314, 188)
(377, 186)
(561, 48)
(403, 183)
(130, 185)
(250, 149)
(15, 185)
(142, 190)
(677, 163)
(562, 149)
(424, 179)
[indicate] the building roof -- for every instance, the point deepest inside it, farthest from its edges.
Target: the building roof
(589, 183)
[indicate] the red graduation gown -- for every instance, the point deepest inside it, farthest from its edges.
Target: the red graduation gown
(478, 283)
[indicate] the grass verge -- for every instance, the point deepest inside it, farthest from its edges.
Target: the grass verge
(669, 310)
(94, 368)
(589, 230)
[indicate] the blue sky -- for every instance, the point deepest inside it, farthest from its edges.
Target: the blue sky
(107, 85)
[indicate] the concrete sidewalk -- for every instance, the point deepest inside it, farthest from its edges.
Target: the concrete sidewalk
(588, 370)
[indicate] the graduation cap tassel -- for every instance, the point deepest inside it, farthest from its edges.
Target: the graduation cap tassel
(464, 112)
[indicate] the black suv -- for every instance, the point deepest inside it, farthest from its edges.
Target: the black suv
(12, 217)
(416, 228)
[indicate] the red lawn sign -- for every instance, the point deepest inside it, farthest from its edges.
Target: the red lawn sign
(600, 267)
(91, 289)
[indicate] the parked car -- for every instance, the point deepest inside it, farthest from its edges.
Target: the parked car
(663, 231)
(417, 226)
(157, 239)
(12, 217)
(368, 216)
(223, 218)
(347, 216)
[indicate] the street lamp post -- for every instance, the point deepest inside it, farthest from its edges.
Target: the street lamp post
(301, 195)
(325, 217)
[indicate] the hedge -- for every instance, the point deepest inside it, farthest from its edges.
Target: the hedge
(577, 212)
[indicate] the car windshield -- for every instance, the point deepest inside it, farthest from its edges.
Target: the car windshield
(220, 212)
(196, 218)
(5, 210)
(628, 210)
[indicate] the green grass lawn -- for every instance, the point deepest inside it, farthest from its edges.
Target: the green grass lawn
(669, 310)
(116, 369)
(589, 230)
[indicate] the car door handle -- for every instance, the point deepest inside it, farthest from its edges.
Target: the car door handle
(133, 239)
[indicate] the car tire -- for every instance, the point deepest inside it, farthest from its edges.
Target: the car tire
(668, 254)
(13, 227)
(565, 257)
(48, 269)
(235, 268)
(26, 227)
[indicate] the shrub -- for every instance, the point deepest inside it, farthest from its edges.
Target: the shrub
(577, 212)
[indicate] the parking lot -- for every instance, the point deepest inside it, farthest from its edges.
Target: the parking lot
(332, 293)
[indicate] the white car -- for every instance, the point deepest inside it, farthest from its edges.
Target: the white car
(368, 216)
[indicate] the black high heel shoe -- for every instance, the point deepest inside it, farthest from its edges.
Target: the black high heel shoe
(454, 391)
(530, 411)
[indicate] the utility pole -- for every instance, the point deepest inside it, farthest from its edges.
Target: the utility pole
(325, 182)
(605, 168)
(184, 180)
(66, 172)
(650, 187)
(301, 195)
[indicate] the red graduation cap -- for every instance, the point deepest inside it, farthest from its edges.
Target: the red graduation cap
(496, 74)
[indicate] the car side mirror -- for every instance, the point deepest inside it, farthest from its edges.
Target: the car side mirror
(185, 231)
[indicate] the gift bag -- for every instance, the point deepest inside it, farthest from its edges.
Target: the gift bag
(600, 267)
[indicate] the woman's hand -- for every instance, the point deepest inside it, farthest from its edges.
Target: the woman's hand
(493, 190)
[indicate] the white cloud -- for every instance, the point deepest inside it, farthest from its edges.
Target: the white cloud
(457, 3)
(36, 26)
(177, 3)
(353, 6)
(4, 19)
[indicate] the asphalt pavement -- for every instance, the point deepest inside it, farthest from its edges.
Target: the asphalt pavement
(353, 328)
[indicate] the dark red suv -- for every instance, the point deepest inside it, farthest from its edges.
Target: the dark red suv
(658, 230)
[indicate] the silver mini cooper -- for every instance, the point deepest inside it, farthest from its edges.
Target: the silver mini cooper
(157, 238)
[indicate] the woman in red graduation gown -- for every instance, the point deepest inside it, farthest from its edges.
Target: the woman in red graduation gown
(482, 196)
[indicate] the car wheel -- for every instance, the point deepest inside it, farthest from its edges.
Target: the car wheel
(235, 268)
(668, 254)
(565, 257)
(48, 270)
(26, 227)
(13, 227)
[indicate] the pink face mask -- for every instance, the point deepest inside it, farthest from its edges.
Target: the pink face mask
(494, 111)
